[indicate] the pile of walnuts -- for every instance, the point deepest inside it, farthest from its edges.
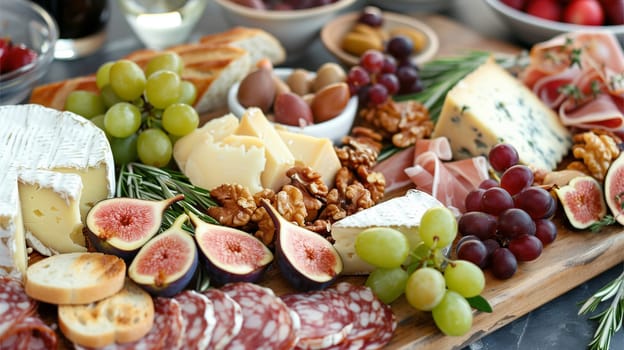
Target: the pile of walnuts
(306, 200)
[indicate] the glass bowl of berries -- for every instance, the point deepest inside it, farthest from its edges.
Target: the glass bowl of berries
(348, 36)
(27, 37)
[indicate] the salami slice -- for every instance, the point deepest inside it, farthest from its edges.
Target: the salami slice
(229, 318)
(15, 305)
(30, 333)
(375, 321)
(267, 322)
(325, 318)
(198, 318)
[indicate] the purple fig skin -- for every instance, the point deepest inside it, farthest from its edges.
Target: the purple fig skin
(174, 287)
(103, 246)
(298, 278)
(159, 283)
(218, 272)
(614, 189)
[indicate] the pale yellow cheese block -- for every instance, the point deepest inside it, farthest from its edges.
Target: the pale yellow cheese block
(236, 159)
(317, 153)
(52, 215)
(278, 157)
(216, 129)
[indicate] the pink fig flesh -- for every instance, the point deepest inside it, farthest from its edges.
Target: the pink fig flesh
(582, 201)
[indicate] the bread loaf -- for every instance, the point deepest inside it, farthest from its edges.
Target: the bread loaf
(213, 65)
(259, 43)
(124, 317)
(75, 278)
(53, 95)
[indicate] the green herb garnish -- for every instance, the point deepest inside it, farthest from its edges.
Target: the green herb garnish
(609, 319)
(147, 182)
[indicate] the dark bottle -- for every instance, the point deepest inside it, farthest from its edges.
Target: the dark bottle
(77, 18)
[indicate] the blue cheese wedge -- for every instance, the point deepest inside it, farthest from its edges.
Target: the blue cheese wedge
(54, 166)
(490, 106)
(401, 213)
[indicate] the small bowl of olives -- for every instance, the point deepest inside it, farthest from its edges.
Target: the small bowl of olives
(294, 23)
(350, 35)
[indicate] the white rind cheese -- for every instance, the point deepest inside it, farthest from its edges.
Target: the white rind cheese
(490, 106)
(401, 213)
(65, 156)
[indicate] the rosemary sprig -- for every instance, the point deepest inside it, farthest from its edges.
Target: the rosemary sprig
(147, 182)
(610, 319)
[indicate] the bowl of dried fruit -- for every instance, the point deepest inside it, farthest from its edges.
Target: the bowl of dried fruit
(26, 48)
(317, 103)
(348, 36)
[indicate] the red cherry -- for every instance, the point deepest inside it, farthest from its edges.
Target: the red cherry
(17, 57)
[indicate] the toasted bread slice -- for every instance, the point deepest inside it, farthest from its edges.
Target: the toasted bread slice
(75, 278)
(54, 94)
(259, 43)
(124, 317)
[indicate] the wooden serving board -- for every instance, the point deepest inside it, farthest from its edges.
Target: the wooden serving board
(573, 258)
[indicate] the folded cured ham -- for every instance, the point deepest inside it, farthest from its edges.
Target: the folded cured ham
(428, 166)
(580, 75)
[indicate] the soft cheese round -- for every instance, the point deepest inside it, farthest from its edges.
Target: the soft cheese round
(44, 151)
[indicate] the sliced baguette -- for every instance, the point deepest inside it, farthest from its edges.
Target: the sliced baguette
(54, 94)
(124, 317)
(259, 43)
(75, 278)
(212, 69)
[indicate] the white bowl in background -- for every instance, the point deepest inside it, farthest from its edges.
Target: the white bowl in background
(404, 6)
(334, 129)
(295, 29)
(531, 29)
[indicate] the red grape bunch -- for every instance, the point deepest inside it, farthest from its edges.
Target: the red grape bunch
(379, 75)
(506, 222)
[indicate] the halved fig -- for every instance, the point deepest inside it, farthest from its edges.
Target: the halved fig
(230, 255)
(166, 263)
(120, 226)
(614, 188)
(582, 201)
(307, 260)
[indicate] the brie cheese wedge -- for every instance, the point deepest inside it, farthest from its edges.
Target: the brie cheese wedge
(54, 166)
(401, 213)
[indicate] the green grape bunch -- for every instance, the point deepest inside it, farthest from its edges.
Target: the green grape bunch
(143, 111)
(421, 272)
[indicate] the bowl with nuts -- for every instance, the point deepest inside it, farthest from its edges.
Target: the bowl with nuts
(348, 36)
(317, 103)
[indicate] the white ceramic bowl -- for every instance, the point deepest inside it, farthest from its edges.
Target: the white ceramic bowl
(530, 29)
(403, 6)
(295, 29)
(333, 129)
(334, 32)
(25, 22)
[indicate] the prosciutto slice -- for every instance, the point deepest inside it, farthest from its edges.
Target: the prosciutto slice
(427, 165)
(581, 76)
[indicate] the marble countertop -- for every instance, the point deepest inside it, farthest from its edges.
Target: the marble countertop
(555, 325)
